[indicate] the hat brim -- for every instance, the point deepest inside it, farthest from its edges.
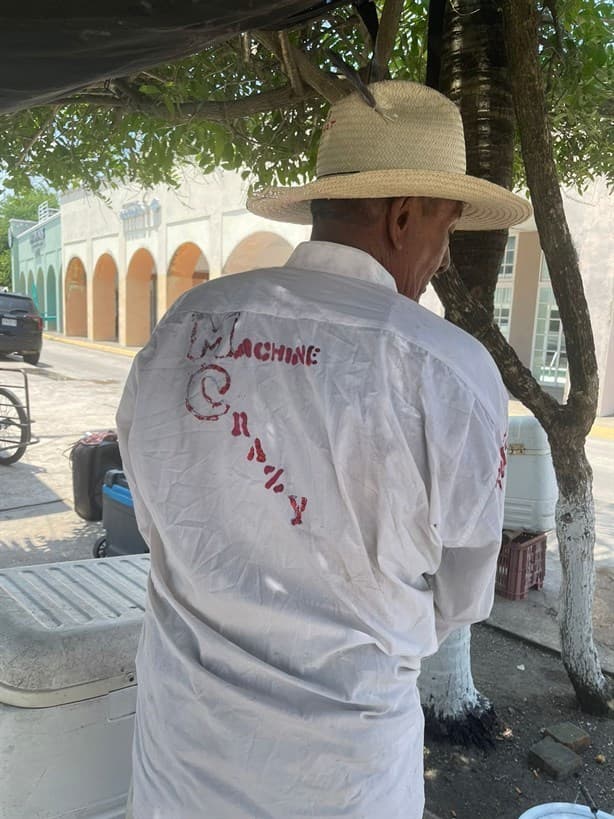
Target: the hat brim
(486, 206)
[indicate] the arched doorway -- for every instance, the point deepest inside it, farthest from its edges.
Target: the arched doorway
(51, 301)
(105, 295)
(262, 249)
(39, 292)
(75, 290)
(141, 304)
(188, 268)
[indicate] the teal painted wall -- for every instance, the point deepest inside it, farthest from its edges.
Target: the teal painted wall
(36, 268)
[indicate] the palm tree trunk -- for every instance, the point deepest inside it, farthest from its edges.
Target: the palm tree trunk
(474, 75)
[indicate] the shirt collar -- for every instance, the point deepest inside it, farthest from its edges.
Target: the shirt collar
(341, 260)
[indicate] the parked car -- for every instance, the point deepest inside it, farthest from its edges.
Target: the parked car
(21, 327)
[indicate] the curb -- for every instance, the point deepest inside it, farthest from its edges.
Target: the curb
(91, 345)
(522, 638)
(605, 433)
(600, 431)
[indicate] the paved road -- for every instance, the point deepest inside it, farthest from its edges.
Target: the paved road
(63, 361)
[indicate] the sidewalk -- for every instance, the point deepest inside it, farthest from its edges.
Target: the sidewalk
(102, 346)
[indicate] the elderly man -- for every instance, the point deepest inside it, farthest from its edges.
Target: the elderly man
(316, 463)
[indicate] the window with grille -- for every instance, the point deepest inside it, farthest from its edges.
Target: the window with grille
(504, 291)
(549, 359)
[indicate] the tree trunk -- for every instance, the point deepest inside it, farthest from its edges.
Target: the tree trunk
(473, 74)
(453, 708)
(568, 427)
(575, 526)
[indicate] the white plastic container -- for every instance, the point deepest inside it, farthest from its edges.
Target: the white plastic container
(68, 640)
(563, 810)
(531, 492)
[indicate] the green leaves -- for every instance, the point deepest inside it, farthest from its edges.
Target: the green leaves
(141, 127)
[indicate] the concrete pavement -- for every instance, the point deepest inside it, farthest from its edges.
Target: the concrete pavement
(38, 524)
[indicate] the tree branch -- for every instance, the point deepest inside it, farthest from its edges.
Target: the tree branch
(386, 36)
(289, 64)
(124, 87)
(470, 314)
(208, 110)
(39, 133)
(521, 32)
(321, 81)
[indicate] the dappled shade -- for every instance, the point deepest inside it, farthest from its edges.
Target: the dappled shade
(141, 302)
(75, 294)
(105, 299)
(188, 268)
(261, 249)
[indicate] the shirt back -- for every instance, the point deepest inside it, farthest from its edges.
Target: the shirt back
(303, 447)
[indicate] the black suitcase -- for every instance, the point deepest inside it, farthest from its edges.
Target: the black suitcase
(91, 458)
(122, 536)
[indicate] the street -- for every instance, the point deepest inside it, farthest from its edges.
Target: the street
(73, 390)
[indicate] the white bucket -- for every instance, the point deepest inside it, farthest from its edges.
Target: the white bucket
(563, 810)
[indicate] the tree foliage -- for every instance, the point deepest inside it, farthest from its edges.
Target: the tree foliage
(19, 206)
(258, 100)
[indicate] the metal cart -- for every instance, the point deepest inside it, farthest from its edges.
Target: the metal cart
(15, 420)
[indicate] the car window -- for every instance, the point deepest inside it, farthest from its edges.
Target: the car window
(10, 304)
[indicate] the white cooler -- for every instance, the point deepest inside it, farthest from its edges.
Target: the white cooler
(531, 491)
(68, 640)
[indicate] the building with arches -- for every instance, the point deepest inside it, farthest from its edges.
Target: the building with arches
(129, 256)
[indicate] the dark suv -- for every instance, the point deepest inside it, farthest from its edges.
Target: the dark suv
(21, 327)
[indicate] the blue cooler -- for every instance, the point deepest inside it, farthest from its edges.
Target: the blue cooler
(122, 535)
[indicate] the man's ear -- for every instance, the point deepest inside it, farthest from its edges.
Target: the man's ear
(398, 220)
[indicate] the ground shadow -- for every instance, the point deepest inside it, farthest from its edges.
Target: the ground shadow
(54, 540)
(24, 494)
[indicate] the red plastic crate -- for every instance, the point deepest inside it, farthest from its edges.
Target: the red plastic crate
(521, 565)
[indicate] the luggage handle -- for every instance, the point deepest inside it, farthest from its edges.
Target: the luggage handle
(111, 476)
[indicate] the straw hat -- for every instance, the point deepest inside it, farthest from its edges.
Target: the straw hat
(410, 144)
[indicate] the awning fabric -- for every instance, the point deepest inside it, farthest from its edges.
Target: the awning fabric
(51, 47)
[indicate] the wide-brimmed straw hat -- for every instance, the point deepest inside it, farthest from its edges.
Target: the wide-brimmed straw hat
(411, 144)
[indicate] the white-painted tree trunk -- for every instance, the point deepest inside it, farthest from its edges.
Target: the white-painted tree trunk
(453, 707)
(575, 523)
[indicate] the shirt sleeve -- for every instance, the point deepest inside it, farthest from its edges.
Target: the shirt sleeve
(470, 500)
(464, 584)
(124, 419)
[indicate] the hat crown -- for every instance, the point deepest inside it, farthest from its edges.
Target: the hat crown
(412, 128)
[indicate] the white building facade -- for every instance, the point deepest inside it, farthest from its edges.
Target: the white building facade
(127, 257)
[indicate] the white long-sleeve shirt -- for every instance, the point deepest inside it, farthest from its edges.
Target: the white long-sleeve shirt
(317, 465)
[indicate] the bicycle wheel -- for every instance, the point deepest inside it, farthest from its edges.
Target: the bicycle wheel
(14, 428)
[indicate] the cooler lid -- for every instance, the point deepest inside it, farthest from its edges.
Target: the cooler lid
(526, 436)
(69, 631)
